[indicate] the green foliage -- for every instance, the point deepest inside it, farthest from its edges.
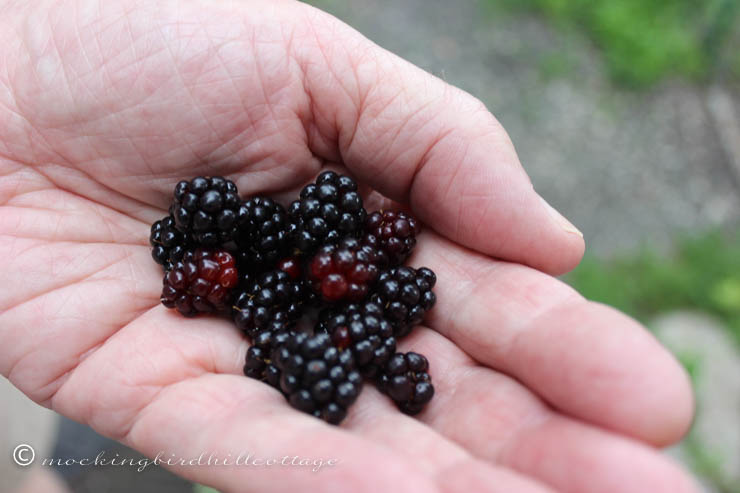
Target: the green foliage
(646, 40)
(199, 488)
(735, 65)
(701, 273)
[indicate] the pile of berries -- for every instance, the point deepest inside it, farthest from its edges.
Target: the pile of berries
(323, 262)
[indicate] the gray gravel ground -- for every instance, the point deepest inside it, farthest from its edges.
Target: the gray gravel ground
(627, 168)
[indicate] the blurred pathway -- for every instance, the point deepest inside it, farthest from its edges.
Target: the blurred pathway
(627, 168)
(714, 442)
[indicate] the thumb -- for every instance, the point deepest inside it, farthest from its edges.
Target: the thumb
(421, 141)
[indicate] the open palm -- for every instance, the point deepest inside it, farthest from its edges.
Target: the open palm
(104, 106)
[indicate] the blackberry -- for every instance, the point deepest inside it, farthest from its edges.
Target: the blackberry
(258, 364)
(262, 229)
(201, 282)
(363, 329)
(315, 376)
(274, 303)
(344, 271)
(327, 211)
(405, 379)
(293, 267)
(406, 296)
(168, 244)
(206, 208)
(395, 233)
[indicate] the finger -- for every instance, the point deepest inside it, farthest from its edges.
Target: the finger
(472, 477)
(422, 141)
(497, 419)
(452, 466)
(582, 459)
(477, 407)
(584, 359)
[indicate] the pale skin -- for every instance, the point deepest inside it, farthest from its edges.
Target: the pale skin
(105, 105)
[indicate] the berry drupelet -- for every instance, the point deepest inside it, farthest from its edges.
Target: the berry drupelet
(327, 211)
(291, 266)
(273, 303)
(363, 329)
(344, 271)
(405, 379)
(406, 296)
(262, 229)
(395, 233)
(168, 244)
(201, 282)
(315, 376)
(206, 208)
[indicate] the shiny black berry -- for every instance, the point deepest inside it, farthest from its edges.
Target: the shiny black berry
(262, 234)
(273, 302)
(328, 210)
(363, 329)
(207, 209)
(406, 296)
(168, 243)
(406, 380)
(258, 364)
(314, 376)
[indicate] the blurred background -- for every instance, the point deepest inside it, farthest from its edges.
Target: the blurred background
(626, 115)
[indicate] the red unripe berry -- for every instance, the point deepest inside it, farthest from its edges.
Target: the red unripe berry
(200, 282)
(344, 271)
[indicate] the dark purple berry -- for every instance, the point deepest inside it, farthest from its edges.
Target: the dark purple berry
(394, 233)
(406, 380)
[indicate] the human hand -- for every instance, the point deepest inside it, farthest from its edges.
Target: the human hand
(105, 105)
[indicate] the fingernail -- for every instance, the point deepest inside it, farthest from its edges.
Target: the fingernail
(560, 220)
